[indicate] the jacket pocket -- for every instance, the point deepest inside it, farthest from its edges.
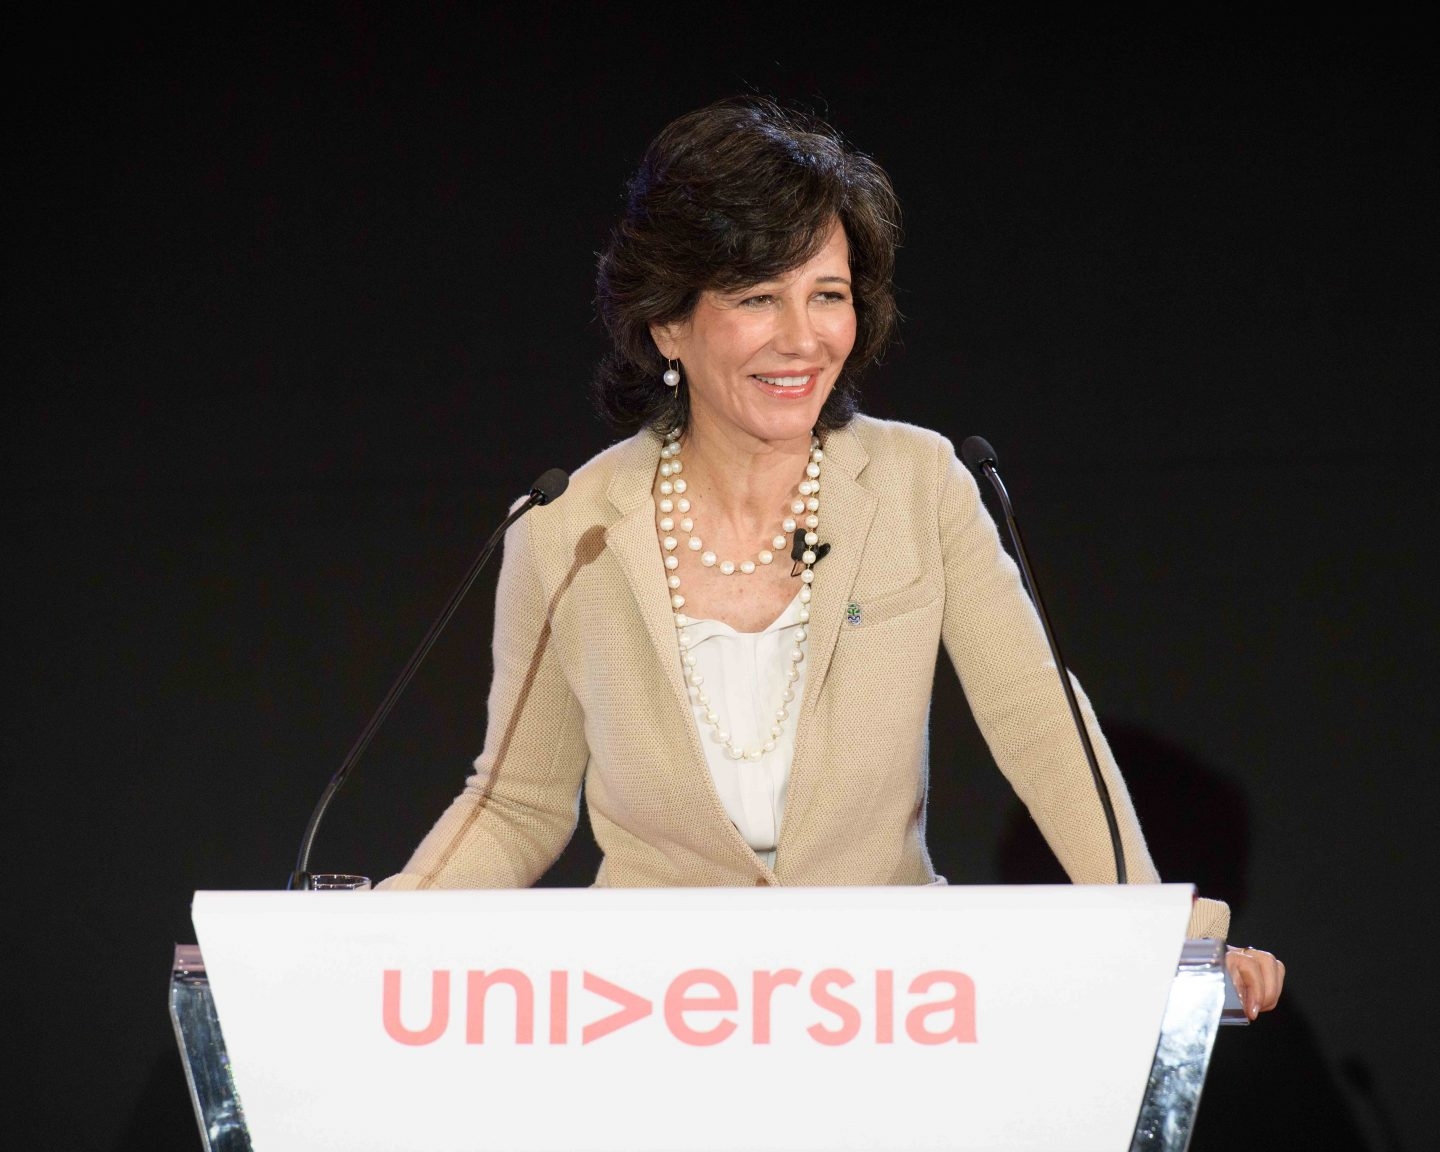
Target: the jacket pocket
(864, 611)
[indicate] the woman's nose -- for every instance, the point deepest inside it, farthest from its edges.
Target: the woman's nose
(796, 335)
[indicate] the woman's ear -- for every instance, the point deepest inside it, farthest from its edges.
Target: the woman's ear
(666, 337)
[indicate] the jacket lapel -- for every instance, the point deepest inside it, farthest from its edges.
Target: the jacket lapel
(632, 540)
(847, 510)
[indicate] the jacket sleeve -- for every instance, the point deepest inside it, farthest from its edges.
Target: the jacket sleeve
(519, 808)
(997, 645)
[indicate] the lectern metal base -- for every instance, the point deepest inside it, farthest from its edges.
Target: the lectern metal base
(202, 1050)
(1198, 1004)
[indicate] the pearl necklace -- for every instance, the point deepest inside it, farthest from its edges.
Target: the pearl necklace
(673, 499)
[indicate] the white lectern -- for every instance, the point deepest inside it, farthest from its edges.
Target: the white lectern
(882, 1018)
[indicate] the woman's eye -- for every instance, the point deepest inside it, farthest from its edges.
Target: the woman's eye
(756, 301)
(832, 297)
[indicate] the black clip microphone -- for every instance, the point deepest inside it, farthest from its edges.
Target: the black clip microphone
(548, 487)
(978, 455)
(797, 551)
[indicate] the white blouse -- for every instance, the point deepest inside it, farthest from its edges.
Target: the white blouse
(745, 680)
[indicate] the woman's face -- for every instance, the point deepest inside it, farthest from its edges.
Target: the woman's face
(761, 362)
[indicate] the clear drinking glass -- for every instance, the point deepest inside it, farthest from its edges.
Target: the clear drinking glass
(338, 882)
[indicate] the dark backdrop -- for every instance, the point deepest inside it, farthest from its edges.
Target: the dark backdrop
(297, 301)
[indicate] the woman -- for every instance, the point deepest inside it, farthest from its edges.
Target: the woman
(727, 629)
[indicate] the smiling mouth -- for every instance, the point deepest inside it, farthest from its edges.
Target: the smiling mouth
(784, 381)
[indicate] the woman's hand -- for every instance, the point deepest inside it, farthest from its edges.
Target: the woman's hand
(1257, 976)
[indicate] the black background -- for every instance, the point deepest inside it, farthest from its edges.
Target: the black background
(297, 301)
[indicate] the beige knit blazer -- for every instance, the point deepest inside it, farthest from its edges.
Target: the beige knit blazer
(588, 690)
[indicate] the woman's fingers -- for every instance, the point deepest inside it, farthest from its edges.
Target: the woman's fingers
(1243, 976)
(1258, 978)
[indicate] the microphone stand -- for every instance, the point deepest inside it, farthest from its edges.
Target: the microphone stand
(545, 489)
(979, 455)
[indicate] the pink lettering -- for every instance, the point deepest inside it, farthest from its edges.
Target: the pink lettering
(823, 998)
(884, 1006)
(559, 1008)
(678, 1002)
(439, 1009)
(764, 984)
(960, 1006)
(632, 1008)
(947, 1016)
(478, 985)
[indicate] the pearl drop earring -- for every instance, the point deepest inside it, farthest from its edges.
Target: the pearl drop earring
(672, 375)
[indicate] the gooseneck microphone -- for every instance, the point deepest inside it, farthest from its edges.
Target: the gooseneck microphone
(548, 487)
(979, 456)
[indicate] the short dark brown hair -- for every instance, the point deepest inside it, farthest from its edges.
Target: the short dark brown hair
(734, 194)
